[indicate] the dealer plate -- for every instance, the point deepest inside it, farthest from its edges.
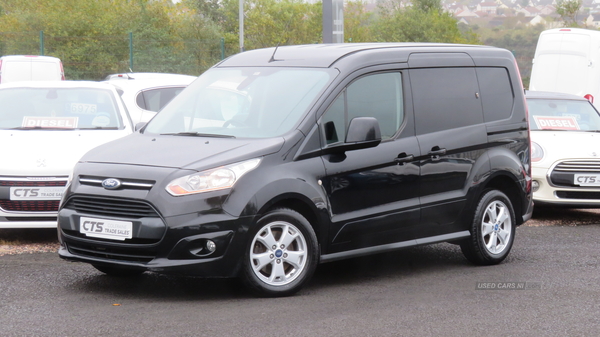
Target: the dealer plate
(586, 179)
(106, 229)
(36, 193)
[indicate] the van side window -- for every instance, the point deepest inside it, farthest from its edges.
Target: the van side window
(378, 96)
(445, 98)
(497, 94)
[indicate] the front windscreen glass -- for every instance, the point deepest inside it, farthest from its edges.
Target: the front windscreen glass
(562, 114)
(58, 109)
(242, 102)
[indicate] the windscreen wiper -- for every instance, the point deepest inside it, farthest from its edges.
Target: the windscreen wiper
(39, 128)
(100, 128)
(197, 134)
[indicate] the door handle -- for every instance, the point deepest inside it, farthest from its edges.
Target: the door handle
(436, 151)
(404, 158)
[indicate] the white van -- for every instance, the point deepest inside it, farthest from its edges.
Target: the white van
(567, 60)
(16, 68)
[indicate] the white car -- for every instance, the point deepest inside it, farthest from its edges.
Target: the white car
(565, 139)
(45, 128)
(145, 94)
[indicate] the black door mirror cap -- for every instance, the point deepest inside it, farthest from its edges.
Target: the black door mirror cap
(363, 129)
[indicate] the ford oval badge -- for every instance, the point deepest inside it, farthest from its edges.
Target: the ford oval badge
(111, 183)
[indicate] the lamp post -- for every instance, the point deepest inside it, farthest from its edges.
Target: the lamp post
(333, 21)
(241, 20)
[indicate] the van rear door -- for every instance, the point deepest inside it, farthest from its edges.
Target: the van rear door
(45, 71)
(16, 70)
(562, 63)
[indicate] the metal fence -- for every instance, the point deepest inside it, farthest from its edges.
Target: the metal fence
(92, 58)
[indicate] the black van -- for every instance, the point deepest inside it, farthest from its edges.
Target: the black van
(278, 159)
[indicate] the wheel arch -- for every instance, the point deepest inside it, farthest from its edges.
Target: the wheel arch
(300, 195)
(509, 186)
(301, 204)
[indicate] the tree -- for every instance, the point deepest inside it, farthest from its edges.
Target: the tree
(428, 5)
(425, 21)
(91, 37)
(357, 22)
(268, 23)
(568, 9)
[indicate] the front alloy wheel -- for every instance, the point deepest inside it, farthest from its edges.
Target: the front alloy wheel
(282, 255)
(278, 253)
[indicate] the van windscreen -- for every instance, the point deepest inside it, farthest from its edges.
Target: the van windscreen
(243, 102)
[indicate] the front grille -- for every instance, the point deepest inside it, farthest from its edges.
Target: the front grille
(29, 205)
(126, 184)
(564, 173)
(578, 195)
(102, 206)
(587, 166)
(111, 253)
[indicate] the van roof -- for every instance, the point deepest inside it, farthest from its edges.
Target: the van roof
(571, 31)
(29, 58)
(325, 55)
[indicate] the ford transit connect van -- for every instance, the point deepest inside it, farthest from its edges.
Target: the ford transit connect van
(16, 68)
(278, 159)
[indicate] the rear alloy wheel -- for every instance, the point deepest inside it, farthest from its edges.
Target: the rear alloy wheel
(492, 230)
(282, 254)
(118, 271)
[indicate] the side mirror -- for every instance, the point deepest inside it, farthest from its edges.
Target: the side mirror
(363, 129)
(363, 133)
(139, 126)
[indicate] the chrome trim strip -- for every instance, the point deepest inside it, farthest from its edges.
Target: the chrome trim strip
(137, 184)
(59, 178)
(90, 181)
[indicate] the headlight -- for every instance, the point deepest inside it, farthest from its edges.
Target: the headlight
(536, 152)
(211, 180)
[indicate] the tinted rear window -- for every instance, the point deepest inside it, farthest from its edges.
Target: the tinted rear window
(496, 92)
(445, 98)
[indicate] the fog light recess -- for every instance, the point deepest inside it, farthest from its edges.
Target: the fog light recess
(535, 185)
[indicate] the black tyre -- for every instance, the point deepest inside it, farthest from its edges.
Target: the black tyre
(118, 271)
(282, 254)
(492, 230)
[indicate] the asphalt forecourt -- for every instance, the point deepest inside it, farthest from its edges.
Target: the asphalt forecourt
(546, 287)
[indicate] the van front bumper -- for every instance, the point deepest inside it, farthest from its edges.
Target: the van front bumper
(175, 245)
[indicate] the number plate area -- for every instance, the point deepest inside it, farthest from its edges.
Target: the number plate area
(106, 229)
(36, 193)
(586, 179)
